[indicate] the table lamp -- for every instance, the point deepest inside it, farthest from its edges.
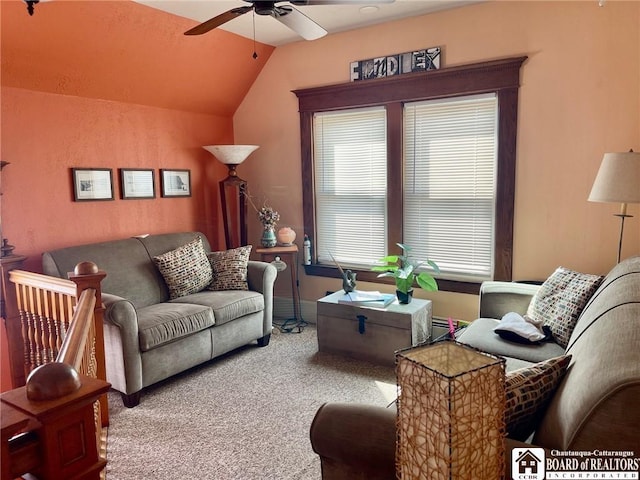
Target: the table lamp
(618, 181)
(232, 192)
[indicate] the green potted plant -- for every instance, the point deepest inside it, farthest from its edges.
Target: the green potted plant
(403, 269)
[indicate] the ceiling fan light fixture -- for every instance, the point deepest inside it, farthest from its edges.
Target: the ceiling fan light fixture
(30, 5)
(287, 15)
(264, 8)
(369, 9)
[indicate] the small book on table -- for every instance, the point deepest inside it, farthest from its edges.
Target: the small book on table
(367, 299)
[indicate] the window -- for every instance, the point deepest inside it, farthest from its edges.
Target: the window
(425, 159)
(449, 183)
(350, 153)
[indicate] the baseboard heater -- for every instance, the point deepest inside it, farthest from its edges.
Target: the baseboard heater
(440, 326)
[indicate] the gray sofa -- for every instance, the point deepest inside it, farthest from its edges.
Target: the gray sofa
(596, 406)
(149, 337)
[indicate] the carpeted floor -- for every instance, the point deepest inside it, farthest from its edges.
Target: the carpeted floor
(244, 416)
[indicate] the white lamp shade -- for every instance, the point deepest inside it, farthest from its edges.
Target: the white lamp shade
(618, 180)
(231, 154)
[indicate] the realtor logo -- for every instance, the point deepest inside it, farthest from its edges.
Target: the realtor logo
(527, 464)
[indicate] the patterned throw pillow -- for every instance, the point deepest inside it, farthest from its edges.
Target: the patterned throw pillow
(528, 391)
(186, 269)
(230, 269)
(560, 300)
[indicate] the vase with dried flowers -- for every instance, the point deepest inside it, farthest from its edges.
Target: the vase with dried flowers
(268, 218)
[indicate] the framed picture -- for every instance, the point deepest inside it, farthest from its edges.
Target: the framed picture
(136, 183)
(176, 183)
(92, 184)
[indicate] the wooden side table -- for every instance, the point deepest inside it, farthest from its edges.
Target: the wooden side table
(290, 253)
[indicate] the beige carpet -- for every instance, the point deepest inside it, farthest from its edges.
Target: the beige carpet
(245, 416)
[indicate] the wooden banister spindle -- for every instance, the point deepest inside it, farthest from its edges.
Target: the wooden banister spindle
(55, 315)
(51, 329)
(24, 326)
(32, 324)
(42, 334)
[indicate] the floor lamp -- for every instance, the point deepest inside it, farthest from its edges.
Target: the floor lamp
(232, 192)
(618, 181)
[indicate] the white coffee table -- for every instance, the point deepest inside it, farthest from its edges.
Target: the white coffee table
(372, 334)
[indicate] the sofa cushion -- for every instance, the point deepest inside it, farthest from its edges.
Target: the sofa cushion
(528, 391)
(227, 305)
(230, 269)
(166, 322)
(560, 301)
(480, 334)
(186, 269)
(516, 363)
(163, 242)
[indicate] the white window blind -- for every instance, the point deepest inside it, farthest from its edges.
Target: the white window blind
(350, 158)
(450, 149)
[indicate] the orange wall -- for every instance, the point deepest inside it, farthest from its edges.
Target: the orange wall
(44, 135)
(580, 98)
(111, 84)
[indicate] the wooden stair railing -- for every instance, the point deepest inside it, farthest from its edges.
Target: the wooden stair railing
(59, 410)
(45, 308)
(76, 349)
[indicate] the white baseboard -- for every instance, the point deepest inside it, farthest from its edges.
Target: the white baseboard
(440, 326)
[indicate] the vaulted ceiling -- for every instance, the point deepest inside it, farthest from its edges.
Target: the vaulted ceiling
(129, 52)
(334, 16)
(126, 52)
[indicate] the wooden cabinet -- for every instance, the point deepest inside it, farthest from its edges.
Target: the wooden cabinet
(11, 319)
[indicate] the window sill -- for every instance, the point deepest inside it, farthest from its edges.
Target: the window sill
(472, 288)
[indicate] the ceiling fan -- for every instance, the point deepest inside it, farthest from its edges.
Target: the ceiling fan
(286, 14)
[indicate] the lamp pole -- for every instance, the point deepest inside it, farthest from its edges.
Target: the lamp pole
(622, 215)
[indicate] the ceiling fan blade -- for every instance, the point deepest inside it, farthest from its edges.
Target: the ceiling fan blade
(299, 23)
(302, 3)
(218, 20)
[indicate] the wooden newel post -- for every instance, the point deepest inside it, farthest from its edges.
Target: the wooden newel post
(86, 275)
(11, 318)
(60, 443)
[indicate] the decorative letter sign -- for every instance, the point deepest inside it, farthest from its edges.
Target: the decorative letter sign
(416, 61)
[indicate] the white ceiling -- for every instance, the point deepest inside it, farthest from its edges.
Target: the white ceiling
(333, 18)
